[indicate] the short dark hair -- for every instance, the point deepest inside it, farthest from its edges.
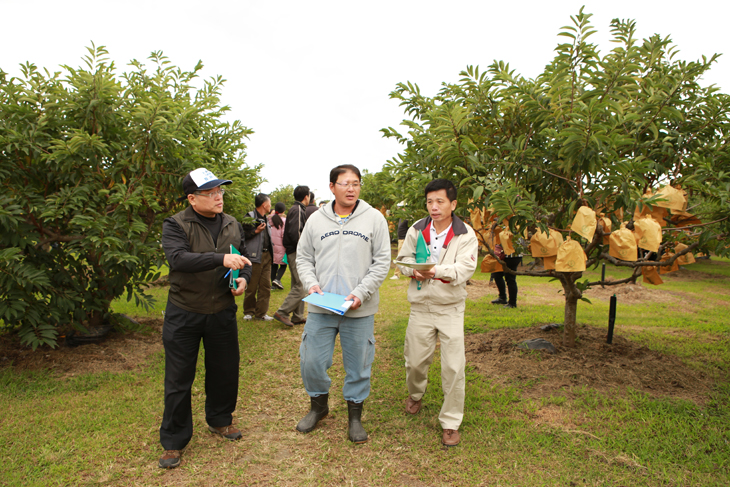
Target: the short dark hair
(301, 192)
(260, 199)
(311, 199)
(342, 168)
(439, 184)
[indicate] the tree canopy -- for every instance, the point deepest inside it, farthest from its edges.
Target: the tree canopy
(603, 131)
(90, 164)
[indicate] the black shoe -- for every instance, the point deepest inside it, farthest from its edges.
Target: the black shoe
(277, 284)
(499, 301)
(355, 431)
(510, 305)
(318, 409)
(171, 459)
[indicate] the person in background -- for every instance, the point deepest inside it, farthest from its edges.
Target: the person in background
(293, 227)
(437, 309)
(344, 249)
(201, 306)
(512, 261)
(312, 206)
(276, 222)
(258, 236)
(402, 231)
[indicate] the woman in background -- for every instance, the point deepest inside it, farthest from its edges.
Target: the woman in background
(278, 267)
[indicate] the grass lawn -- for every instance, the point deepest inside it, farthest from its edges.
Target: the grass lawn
(101, 428)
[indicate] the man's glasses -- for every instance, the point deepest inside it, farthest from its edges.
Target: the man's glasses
(354, 185)
(214, 194)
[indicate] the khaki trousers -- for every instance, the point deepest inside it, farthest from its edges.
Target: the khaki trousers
(424, 325)
(258, 291)
(293, 302)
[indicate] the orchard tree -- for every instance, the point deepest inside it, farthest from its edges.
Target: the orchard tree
(602, 131)
(90, 164)
(285, 194)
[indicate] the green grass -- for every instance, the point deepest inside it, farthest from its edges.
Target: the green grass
(102, 428)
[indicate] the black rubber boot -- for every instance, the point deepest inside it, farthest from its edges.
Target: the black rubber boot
(318, 410)
(355, 431)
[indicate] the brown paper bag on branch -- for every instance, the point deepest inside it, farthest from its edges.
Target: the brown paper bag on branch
(658, 213)
(571, 257)
(622, 244)
(549, 262)
(545, 244)
(685, 259)
(605, 224)
(505, 238)
(674, 199)
(651, 275)
(648, 234)
(665, 269)
(490, 264)
(584, 223)
(683, 219)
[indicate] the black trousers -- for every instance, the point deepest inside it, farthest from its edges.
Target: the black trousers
(277, 271)
(181, 335)
(500, 277)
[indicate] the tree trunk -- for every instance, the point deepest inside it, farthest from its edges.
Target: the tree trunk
(572, 295)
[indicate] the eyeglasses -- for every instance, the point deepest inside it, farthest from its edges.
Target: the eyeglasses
(212, 195)
(354, 185)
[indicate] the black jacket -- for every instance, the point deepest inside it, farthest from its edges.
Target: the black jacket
(295, 220)
(196, 262)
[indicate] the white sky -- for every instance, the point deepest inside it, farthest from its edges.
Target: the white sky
(312, 78)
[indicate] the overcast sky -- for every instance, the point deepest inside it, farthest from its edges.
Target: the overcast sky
(312, 78)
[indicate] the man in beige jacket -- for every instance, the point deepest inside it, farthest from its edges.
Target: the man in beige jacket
(437, 308)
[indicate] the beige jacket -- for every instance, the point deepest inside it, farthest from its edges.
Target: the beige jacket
(457, 263)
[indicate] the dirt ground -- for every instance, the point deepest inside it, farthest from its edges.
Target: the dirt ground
(118, 352)
(593, 363)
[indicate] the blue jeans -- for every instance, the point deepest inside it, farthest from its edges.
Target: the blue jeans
(357, 338)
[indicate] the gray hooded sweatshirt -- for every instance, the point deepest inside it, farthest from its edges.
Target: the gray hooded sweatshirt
(353, 257)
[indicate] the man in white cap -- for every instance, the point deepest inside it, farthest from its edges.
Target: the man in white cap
(201, 305)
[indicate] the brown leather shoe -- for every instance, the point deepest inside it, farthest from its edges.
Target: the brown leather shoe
(229, 432)
(450, 438)
(283, 319)
(299, 322)
(170, 459)
(412, 407)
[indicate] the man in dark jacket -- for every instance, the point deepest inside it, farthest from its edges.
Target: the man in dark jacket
(260, 249)
(293, 227)
(312, 206)
(200, 305)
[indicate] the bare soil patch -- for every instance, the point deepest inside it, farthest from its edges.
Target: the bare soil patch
(610, 369)
(118, 352)
(636, 294)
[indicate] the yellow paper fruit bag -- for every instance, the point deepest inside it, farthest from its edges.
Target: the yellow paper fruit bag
(648, 234)
(549, 262)
(571, 257)
(651, 275)
(505, 238)
(490, 264)
(622, 244)
(545, 244)
(665, 269)
(674, 199)
(584, 223)
(685, 259)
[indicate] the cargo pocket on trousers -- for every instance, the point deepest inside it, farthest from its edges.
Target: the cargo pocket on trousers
(370, 352)
(303, 347)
